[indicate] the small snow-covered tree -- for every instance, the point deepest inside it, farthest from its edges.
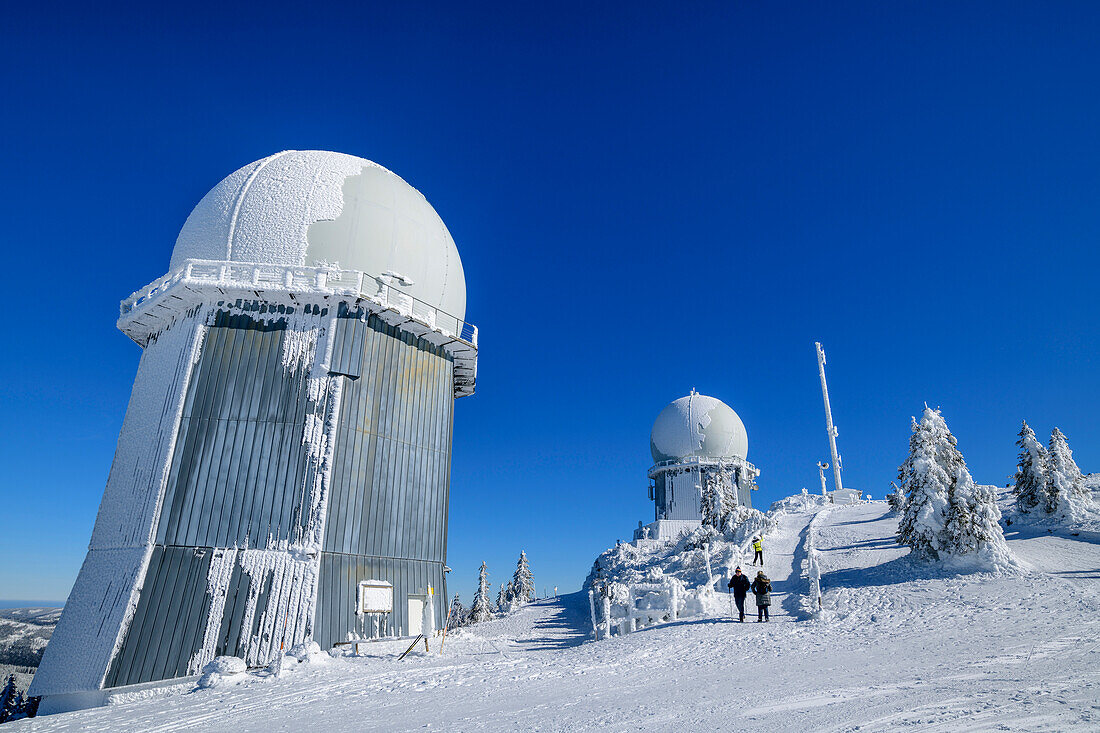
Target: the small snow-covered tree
(1031, 472)
(946, 513)
(711, 504)
(727, 489)
(481, 609)
(504, 599)
(719, 499)
(973, 520)
(522, 589)
(896, 499)
(926, 481)
(8, 698)
(1067, 496)
(457, 613)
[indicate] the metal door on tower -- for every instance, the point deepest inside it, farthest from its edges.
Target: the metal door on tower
(416, 615)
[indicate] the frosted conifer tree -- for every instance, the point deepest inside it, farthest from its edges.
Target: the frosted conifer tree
(719, 499)
(896, 500)
(925, 484)
(8, 700)
(973, 521)
(727, 490)
(1031, 472)
(522, 589)
(1067, 496)
(458, 613)
(711, 504)
(946, 513)
(504, 598)
(481, 609)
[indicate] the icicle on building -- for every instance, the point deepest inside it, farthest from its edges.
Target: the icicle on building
(288, 435)
(693, 438)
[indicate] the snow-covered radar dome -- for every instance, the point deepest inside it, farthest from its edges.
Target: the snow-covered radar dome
(312, 207)
(698, 425)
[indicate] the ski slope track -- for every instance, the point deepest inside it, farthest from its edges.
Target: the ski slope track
(897, 646)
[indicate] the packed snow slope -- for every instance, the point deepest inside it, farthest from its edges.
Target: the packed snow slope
(897, 646)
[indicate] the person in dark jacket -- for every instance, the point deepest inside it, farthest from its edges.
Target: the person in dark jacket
(740, 585)
(762, 588)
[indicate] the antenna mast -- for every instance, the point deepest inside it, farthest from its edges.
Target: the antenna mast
(830, 429)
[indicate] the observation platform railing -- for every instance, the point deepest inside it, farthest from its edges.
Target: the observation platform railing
(293, 278)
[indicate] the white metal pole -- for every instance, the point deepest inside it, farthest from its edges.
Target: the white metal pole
(829, 427)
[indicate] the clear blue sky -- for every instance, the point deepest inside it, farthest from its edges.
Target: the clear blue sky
(646, 198)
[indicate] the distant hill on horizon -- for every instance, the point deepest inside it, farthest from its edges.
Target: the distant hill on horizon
(24, 633)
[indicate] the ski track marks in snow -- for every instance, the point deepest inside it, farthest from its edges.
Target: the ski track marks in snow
(898, 647)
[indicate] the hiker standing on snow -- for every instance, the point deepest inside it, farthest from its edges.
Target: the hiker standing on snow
(758, 547)
(740, 585)
(762, 587)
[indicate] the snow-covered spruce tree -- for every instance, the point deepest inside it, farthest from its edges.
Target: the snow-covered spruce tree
(925, 483)
(896, 500)
(711, 504)
(522, 589)
(1031, 473)
(457, 613)
(946, 513)
(481, 609)
(719, 499)
(504, 599)
(8, 700)
(1068, 499)
(973, 521)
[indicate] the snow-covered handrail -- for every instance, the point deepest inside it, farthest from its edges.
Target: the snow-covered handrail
(813, 604)
(659, 602)
(300, 279)
(702, 461)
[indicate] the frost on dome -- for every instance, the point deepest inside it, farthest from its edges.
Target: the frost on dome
(310, 208)
(698, 425)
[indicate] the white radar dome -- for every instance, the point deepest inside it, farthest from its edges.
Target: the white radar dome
(698, 425)
(312, 207)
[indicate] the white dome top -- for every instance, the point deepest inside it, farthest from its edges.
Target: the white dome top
(698, 425)
(313, 207)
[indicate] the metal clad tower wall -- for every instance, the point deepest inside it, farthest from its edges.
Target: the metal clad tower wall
(387, 507)
(240, 478)
(288, 434)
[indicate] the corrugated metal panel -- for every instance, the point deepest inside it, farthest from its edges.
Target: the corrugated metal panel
(347, 343)
(239, 475)
(340, 576)
(170, 616)
(388, 491)
(387, 510)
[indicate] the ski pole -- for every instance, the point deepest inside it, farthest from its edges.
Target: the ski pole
(730, 594)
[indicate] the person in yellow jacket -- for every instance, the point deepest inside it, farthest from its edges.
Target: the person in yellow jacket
(758, 548)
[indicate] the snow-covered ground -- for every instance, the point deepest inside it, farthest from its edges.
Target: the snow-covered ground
(897, 646)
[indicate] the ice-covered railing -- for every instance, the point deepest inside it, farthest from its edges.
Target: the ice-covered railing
(702, 461)
(813, 604)
(628, 608)
(294, 278)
